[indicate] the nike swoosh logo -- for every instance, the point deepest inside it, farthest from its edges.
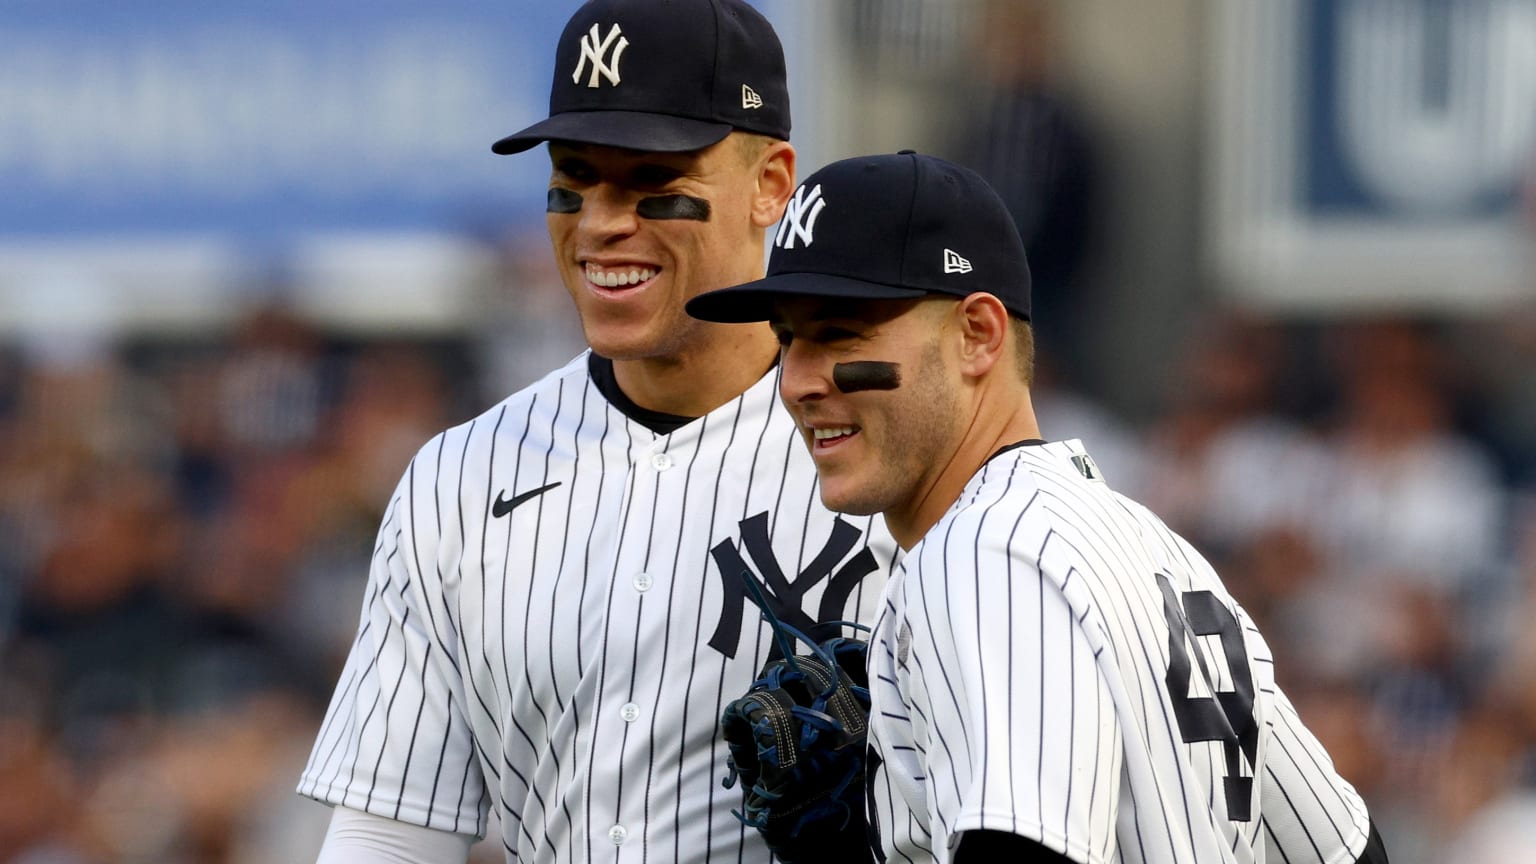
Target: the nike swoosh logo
(502, 506)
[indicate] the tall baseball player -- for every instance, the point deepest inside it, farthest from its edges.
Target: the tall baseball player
(1056, 676)
(556, 608)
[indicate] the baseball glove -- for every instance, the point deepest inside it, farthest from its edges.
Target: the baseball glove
(796, 743)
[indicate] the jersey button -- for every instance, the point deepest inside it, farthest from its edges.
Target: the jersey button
(630, 712)
(661, 461)
(617, 834)
(643, 582)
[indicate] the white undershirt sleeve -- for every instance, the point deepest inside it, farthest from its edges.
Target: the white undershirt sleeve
(356, 837)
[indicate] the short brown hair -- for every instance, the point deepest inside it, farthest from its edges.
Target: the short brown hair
(1023, 349)
(750, 146)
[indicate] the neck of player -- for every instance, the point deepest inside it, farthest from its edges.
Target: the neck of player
(997, 419)
(719, 364)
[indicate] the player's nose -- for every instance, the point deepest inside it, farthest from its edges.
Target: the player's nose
(804, 374)
(607, 213)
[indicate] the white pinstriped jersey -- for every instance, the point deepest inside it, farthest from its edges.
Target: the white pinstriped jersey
(1053, 662)
(563, 655)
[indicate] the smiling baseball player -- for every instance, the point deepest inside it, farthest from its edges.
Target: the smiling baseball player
(1056, 676)
(556, 610)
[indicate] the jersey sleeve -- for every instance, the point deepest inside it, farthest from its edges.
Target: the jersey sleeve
(1022, 729)
(1310, 812)
(395, 742)
(363, 838)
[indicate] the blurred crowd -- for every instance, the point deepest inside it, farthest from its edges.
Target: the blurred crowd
(1368, 491)
(187, 529)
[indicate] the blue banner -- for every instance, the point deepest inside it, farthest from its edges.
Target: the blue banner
(268, 119)
(1418, 109)
(1373, 154)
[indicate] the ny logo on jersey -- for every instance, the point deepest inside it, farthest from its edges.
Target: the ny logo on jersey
(595, 48)
(800, 218)
(785, 597)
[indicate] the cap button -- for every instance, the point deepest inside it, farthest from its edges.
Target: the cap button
(906, 152)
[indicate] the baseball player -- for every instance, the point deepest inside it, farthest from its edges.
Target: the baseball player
(556, 609)
(1055, 675)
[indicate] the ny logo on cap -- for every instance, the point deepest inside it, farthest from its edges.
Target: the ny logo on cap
(953, 263)
(749, 98)
(595, 48)
(800, 218)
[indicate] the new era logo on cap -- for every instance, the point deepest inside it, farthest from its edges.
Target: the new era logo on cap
(749, 98)
(953, 263)
(595, 48)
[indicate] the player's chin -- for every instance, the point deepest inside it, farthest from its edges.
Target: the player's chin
(625, 337)
(840, 496)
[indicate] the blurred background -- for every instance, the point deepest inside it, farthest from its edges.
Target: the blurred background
(253, 255)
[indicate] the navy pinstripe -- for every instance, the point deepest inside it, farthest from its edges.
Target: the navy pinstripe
(528, 647)
(1073, 738)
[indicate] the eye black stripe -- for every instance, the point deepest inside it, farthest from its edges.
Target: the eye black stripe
(563, 201)
(673, 207)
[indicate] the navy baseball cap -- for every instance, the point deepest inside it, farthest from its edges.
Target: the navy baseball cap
(664, 76)
(885, 227)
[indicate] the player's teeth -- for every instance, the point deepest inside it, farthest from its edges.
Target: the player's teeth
(832, 432)
(617, 278)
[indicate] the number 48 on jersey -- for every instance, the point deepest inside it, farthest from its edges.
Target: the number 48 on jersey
(1226, 715)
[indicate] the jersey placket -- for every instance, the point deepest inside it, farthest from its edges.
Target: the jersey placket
(621, 739)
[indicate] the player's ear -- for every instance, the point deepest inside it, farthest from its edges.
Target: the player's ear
(775, 183)
(982, 326)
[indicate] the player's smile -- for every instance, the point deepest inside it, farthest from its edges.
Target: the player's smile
(826, 438)
(618, 279)
(844, 450)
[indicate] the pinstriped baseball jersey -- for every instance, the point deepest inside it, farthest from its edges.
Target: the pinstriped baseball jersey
(1053, 662)
(555, 616)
